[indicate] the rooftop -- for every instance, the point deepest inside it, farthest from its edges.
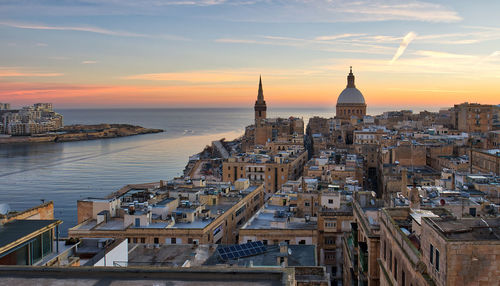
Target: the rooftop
(15, 230)
(298, 255)
(475, 229)
(277, 217)
(169, 255)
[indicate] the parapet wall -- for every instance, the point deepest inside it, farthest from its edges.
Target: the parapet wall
(43, 211)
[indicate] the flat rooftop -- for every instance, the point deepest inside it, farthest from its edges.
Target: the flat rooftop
(131, 276)
(475, 229)
(15, 230)
(301, 255)
(266, 218)
(169, 255)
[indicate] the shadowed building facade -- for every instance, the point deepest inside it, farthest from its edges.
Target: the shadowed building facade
(350, 101)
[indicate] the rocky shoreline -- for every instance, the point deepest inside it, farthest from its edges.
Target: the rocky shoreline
(72, 133)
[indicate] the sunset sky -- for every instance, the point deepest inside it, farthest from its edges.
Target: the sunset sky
(209, 53)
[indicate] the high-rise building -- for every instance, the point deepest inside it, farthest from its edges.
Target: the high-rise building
(350, 101)
(474, 117)
(4, 106)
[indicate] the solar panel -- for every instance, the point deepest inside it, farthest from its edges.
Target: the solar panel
(241, 250)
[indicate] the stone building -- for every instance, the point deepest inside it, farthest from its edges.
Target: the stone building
(333, 223)
(474, 117)
(266, 130)
(29, 237)
(173, 215)
(401, 257)
(362, 246)
(272, 169)
(486, 161)
(350, 101)
(461, 251)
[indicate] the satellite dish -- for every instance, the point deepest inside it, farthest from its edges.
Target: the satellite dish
(4, 209)
(289, 251)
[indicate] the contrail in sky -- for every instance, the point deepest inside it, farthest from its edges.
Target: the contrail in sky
(402, 47)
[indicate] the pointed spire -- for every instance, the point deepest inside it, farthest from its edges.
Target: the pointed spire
(350, 79)
(260, 97)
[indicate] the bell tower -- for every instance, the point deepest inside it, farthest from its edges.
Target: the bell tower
(260, 105)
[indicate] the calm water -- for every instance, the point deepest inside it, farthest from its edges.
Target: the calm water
(66, 172)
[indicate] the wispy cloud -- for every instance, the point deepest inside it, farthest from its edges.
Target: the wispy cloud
(89, 62)
(402, 47)
(297, 11)
(7, 72)
(344, 43)
(336, 37)
(205, 76)
(443, 55)
(88, 29)
(425, 90)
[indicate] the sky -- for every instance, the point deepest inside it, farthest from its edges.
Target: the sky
(210, 53)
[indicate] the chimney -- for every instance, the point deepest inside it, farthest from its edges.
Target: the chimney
(282, 258)
(414, 198)
(404, 182)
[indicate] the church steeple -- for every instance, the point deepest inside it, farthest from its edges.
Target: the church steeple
(260, 96)
(260, 105)
(350, 79)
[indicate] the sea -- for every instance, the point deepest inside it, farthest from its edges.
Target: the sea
(66, 172)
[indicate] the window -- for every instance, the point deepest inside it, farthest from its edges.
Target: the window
(264, 241)
(330, 224)
(143, 240)
(385, 251)
(329, 240)
(135, 240)
(36, 248)
(330, 201)
(156, 240)
(390, 260)
(307, 204)
(395, 268)
(302, 241)
(431, 254)
(190, 240)
(437, 259)
(137, 222)
(287, 241)
(403, 278)
(240, 210)
(173, 240)
(46, 242)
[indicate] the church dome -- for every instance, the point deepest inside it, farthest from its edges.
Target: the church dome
(351, 95)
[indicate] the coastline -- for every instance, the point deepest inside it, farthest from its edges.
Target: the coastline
(72, 133)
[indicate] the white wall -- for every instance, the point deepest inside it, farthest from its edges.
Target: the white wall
(118, 254)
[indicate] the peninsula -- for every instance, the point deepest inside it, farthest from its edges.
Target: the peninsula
(40, 123)
(82, 132)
